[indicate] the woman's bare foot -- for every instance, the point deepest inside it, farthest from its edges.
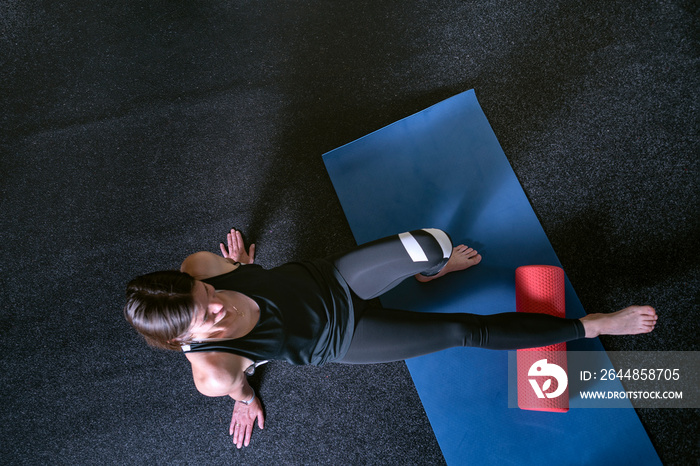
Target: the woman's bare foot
(629, 321)
(462, 258)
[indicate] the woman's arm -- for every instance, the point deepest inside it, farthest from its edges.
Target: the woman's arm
(221, 374)
(204, 264)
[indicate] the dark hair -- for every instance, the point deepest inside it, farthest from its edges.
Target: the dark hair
(160, 306)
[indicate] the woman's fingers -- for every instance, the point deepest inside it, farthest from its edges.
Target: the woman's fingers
(237, 436)
(236, 431)
(246, 434)
(231, 428)
(251, 254)
(240, 247)
(242, 434)
(236, 248)
(232, 242)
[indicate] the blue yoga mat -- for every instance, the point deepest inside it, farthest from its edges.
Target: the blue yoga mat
(443, 167)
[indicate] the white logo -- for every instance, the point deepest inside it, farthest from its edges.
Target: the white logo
(542, 368)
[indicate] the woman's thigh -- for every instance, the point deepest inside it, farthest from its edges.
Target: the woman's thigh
(384, 335)
(373, 268)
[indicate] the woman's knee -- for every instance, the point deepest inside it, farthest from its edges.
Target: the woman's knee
(429, 245)
(472, 330)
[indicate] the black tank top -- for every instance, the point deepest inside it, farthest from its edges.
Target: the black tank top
(306, 314)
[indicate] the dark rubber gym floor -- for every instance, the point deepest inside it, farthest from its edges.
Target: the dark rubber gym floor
(133, 133)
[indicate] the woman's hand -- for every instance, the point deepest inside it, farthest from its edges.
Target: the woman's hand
(236, 248)
(243, 420)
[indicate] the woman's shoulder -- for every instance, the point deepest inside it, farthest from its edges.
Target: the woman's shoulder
(209, 360)
(216, 373)
(204, 264)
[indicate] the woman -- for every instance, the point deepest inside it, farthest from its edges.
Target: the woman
(229, 315)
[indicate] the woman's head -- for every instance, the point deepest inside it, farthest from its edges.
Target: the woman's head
(161, 307)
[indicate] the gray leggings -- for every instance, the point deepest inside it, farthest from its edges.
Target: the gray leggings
(383, 335)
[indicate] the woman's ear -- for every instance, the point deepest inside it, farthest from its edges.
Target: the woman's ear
(181, 340)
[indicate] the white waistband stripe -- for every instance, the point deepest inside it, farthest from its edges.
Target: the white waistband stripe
(413, 248)
(443, 240)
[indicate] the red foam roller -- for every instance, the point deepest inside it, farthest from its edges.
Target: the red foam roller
(542, 372)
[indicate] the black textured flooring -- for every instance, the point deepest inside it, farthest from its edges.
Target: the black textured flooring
(135, 132)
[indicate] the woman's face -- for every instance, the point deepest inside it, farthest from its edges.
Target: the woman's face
(209, 312)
